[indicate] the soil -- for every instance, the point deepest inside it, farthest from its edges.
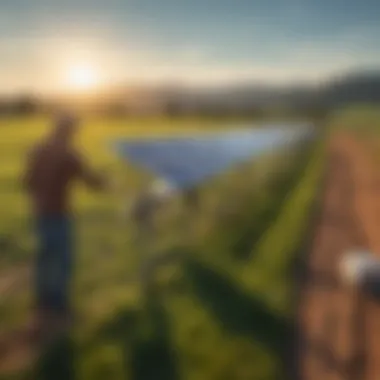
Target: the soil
(339, 326)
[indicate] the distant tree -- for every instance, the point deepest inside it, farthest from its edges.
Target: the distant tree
(172, 109)
(255, 112)
(115, 109)
(25, 105)
(4, 107)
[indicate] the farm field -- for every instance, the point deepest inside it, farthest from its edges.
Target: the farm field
(224, 310)
(189, 190)
(339, 325)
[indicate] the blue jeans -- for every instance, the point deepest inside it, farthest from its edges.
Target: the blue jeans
(54, 263)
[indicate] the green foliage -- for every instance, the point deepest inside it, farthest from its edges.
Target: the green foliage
(278, 247)
(363, 119)
(208, 314)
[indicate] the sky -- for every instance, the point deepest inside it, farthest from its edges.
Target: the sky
(197, 42)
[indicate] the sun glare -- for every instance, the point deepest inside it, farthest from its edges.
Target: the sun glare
(82, 77)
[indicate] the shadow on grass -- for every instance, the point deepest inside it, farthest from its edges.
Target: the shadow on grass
(145, 340)
(244, 232)
(57, 361)
(239, 312)
(153, 357)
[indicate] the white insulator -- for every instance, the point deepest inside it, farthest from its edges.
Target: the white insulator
(359, 267)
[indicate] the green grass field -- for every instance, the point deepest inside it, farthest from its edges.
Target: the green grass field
(222, 311)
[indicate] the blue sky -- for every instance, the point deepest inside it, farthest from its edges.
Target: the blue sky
(200, 42)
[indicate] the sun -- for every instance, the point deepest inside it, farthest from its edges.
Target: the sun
(82, 77)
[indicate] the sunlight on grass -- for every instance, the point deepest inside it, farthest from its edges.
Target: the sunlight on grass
(205, 319)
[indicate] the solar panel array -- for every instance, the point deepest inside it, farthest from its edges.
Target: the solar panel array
(188, 161)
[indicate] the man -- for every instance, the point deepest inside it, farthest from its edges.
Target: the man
(52, 167)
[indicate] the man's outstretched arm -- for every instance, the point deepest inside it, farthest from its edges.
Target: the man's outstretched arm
(93, 179)
(90, 177)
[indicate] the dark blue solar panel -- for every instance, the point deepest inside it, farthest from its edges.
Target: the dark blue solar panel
(188, 161)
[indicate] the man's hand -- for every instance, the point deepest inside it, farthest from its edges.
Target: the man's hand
(91, 178)
(113, 186)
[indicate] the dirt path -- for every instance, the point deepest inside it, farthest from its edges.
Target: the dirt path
(12, 280)
(340, 328)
